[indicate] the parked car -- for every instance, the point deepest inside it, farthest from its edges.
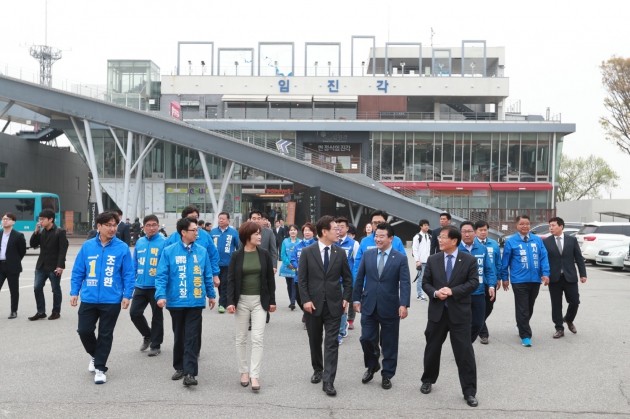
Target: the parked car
(597, 235)
(542, 230)
(612, 257)
(626, 261)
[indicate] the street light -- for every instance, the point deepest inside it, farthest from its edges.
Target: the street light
(329, 64)
(236, 67)
(402, 65)
(472, 68)
(189, 67)
(203, 67)
(362, 68)
(316, 68)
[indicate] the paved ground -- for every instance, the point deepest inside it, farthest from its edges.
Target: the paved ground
(43, 368)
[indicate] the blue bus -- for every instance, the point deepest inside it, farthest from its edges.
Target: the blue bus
(26, 205)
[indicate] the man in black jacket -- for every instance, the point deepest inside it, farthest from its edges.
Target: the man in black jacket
(50, 263)
(123, 232)
(12, 250)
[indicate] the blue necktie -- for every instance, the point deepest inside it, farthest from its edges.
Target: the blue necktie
(326, 259)
(449, 267)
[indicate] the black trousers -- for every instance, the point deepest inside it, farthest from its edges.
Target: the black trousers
(489, 306)
(98, 347)
(572, 295)
(223, 280)
(14, 285)
(388, 327)
(525, 295)
(187, 323)
(141, 298)
(316, 326)
(478, 312)
(435, 334)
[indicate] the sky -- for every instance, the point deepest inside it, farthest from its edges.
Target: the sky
(553, 48)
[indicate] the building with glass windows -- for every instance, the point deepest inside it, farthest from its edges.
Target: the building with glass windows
(429, 123)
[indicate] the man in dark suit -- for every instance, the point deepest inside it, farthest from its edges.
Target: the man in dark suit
(381, 294)
(564, 253)
(324, 299)
(12, 250)
(280, 232)
(123, 232)
(449, 279)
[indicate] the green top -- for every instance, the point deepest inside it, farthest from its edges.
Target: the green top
(251, 274)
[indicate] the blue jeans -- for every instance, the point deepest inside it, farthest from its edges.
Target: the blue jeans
(55, 283)
(419, 281)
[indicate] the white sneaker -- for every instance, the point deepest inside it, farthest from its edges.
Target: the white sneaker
(91, 366)
(99, 377)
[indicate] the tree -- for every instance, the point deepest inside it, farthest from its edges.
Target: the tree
(584, 178)
(616, 81)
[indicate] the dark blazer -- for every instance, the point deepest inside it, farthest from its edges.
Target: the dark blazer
(384, 294)
(267, 278)
(16, 249)
(280, 235)
(464, 280)
(54, 246)
(565, 263)
(123, 232)
(317, 286)
(435, 244)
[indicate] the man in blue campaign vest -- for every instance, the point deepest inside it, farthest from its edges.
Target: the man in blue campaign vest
(203, 240)
(526, 264)
(350, 246)
(487, 277)
(146, 257)
(225, 238)
(104, 277)
(183, 282)
(494, 252)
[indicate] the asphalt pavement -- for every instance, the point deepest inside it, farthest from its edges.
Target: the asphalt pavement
(43, 367)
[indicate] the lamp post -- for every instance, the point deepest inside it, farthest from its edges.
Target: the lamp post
(362, 68)
(402, 65)
(329, 64)
(203, 67)
(236, 68)
(472, 69)
(316, 68)
(189, 67)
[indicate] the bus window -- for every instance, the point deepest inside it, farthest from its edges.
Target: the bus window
(23, 208)
(50, 202)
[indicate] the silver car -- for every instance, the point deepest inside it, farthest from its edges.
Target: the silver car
(612, 257)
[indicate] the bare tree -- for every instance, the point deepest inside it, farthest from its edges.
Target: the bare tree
(616, 81)
(584, 178)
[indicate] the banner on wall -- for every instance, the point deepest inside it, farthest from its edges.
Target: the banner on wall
(176, 110)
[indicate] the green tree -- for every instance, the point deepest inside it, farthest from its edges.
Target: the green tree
(584, 178)
(616, 81)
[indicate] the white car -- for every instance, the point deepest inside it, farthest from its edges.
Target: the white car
(596, 236)
(612, 257)
(626, 261)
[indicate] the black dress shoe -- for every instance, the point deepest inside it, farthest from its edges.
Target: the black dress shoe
(369, 374)
(386, 384)
(37, 316)
(54, 316)
(571, 326)
(329, 389)
(471, 401)
(425, 388)
(13, 315)
(317, 377)
(558, 334)
(179, 374)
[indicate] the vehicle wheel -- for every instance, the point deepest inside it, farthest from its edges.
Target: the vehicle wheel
(617, 268)
(593, 263)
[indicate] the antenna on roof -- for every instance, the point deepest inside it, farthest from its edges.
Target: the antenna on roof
(46, 55)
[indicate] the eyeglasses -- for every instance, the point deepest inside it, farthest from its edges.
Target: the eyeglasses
(110, 225)
(152, 225)
(195, 230)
